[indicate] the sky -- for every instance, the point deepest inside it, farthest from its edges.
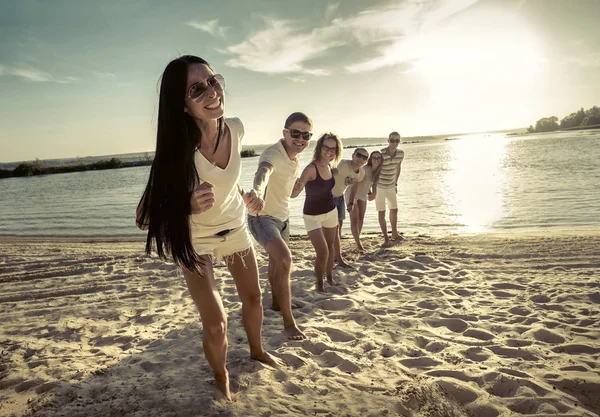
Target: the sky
(80, 77)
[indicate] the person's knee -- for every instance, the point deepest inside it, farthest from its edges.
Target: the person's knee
(215, 332)
(381, 214)
(253, 300)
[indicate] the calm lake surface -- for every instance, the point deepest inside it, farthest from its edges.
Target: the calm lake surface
(474, 183)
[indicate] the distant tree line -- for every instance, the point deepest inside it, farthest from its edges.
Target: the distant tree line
(581, 119)
(29, 169)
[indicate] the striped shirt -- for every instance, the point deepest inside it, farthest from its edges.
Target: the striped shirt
(387, 178)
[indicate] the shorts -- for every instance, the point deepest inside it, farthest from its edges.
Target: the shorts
(314, 222)
(383, 195)
(341, 207)
(266, 228)
(223, 247)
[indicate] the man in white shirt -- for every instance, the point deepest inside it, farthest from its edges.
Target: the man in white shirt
(275, 178)
(347, 172)
(387, 187)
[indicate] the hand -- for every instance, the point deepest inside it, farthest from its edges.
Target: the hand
(298, 185)
(371, 196)
(349, 207)
(202, 198)
(253, 202)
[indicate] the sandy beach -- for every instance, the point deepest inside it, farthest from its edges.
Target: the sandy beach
(456, 325)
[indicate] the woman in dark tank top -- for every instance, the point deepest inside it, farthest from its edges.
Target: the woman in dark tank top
(320, 212)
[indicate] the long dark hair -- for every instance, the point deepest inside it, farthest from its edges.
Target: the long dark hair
(165, 204)
(377, 171)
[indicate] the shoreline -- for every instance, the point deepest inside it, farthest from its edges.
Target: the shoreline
(592, 230)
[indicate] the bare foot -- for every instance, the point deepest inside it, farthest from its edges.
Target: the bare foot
(223, 385)
(397, 237)
(386, 244)
(319, 287)
(343, 263)
(268, 359)
(361, 248)
(294, 333)
(331, 282)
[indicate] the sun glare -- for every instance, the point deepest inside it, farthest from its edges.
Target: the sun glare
(474, 68)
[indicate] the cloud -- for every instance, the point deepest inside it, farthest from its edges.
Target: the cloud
(33, 74)
(210, 26)
(297, 79)
(283, 48)
(103, 75)
(330, 11)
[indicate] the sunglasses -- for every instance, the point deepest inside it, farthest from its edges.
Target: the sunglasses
(394, 140)
(362, 156)
(295, 134)
(198, 90)
(329, 148)
(376, 157)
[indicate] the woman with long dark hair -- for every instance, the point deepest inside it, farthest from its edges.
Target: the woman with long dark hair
(193, 207)
(320, 211)
(365, 190)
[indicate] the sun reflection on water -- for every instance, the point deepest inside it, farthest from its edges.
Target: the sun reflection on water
(475, 181)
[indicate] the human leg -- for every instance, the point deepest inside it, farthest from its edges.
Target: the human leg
(281, 257)
(317, 238)
(330, 234)
(204, 292)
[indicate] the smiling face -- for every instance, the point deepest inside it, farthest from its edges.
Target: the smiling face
(329, 150)
(210, 105)
(359, 158)
(375, 159)
(298, 144)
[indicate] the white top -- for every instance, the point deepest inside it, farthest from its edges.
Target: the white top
(281, 181)
(389, 165)
(344, 176)
(229, 208)
(364, 186)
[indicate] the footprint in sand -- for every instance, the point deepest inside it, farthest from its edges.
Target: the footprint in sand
(546, 336)
(408, 264)
(336, 335)
(540, 299)
(476, 354)
(455, 325)
(478, 334)
(333, 360)
(420, 363)
(336, 304)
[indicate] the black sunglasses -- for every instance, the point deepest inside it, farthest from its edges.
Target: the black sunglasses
(362, 155)
(197, 90)
(395, 140)
(295, 134)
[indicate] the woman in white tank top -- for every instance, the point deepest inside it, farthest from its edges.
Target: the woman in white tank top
(194, 209)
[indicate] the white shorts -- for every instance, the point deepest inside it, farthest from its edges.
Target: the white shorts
(222, 247)
(329, 219)
(383, 195)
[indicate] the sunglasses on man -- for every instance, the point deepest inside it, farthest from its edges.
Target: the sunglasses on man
(362, 155)
(394, 140)
(198, 90)
(295, 134)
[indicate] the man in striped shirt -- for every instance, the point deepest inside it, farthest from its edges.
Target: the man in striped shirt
(387, 187)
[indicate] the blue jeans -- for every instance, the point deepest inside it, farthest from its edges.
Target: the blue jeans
(266, 228)
(341, 207)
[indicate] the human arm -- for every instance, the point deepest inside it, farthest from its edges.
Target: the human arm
(261, 177)
(350, 203)
(307, 175)
(254, 203)
(371, 196)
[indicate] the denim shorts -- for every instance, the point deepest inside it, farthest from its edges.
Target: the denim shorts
(341, 207)
(266, 228)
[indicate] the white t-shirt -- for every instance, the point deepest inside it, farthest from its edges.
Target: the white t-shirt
(229, 208)
(363, 187)
(344, 176)
(281, 181)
